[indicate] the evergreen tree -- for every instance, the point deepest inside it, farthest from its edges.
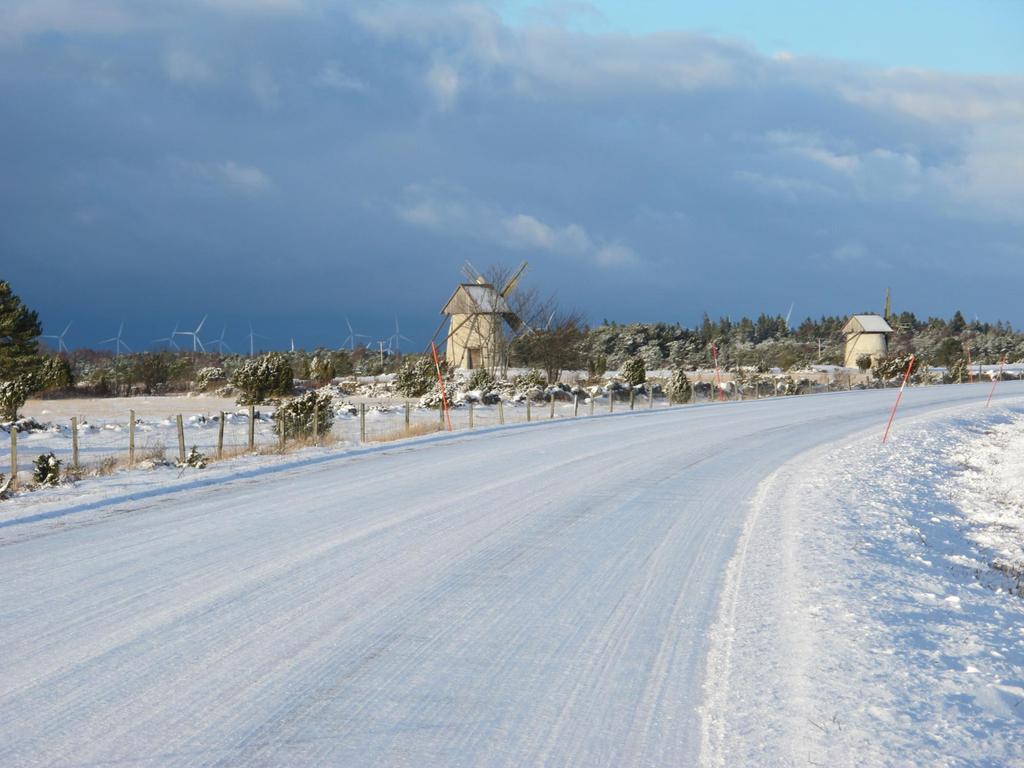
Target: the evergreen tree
(633, 371)
(19, 333)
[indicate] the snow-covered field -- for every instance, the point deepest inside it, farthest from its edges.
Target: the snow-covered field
(752, 583)
(103, 425)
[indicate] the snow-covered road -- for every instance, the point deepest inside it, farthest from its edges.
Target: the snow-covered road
(537, 595)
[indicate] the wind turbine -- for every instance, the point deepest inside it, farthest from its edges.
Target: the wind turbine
(252, 337)
(791, 305)
(352, 336)
(397, 337)
(170, 339)
(221, 344)
(196, 342)
(61, 346)
(117, 342)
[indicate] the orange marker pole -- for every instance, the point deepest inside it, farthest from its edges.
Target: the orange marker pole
(910, 367)
(996, 381)
(440, 381)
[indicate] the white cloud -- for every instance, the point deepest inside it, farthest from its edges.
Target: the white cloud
(185, 67)
(455, 214)
(246, 178)
(235, 177)
(20, 18)
(333, 76)
(616, 255)
(528, 232)
(443, 82)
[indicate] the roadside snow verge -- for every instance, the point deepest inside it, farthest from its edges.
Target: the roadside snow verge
(872, 614)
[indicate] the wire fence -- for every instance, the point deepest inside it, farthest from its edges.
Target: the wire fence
(85, 447)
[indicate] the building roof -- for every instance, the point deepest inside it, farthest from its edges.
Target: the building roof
(474, 298)
(867, 324)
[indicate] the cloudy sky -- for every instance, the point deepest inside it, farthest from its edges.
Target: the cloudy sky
(294, 162)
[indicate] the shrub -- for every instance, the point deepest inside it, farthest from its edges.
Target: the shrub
(46, 469)
(634, 372)
(210, 376)
(679, 388)
(894, 366)
(263, 377)
(864, 362)
(297, 414)
(195, 459)
(480, 379)
(531, 379)
(12, 397)
(417, 377)
(56, 373)
(321, 369)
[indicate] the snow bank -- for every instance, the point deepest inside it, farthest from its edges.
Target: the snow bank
(863, 622)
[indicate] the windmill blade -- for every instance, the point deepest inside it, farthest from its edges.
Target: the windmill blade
(511, 284)
(201, 323)
(470, 272)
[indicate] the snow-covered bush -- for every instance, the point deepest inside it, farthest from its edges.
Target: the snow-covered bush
(321, 369)
(12, 397)
(633, 371)
(894, 366)
(417, 377)
(46, 469)
(297, 414)
(263, 377)
(679, 388)
(532, 379)
(480, 379)
(195, 459)
(56, 373)
(210, 376)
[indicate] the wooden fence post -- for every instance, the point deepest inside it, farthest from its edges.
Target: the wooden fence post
(611, 400)
(281, 429)
(408, 415)
(252, 427)
(527, 408)
(552, 407)
(501, 412)
(470, 415)
(650, 396)
(131, 439)
(362, 422)
(181, 440)
(576, 405)
(74, 442)
(14, 457)
(316, 425)
(220, 437)
(632, 398)
(592, 405)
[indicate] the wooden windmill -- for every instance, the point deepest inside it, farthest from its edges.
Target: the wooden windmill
(479, 313)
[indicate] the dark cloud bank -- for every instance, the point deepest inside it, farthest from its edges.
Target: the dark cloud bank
(292, 163)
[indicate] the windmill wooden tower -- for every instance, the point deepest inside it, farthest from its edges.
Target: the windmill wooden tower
(479, 313)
